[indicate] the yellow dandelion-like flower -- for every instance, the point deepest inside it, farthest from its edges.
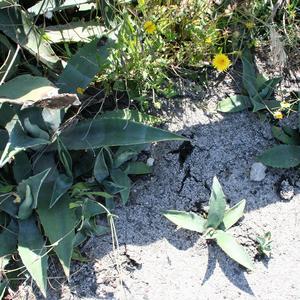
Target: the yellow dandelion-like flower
(278, 115)
(80, 90)
(221, 62)
(249, 25)
(208, 40)
(149, 27)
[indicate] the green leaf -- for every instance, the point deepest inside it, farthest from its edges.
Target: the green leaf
(21, 167)
(81, 69)
(233, 249)
(9, 239)
(91, 134)
(286, 135)
(92, 208)
(281, 156)
(8, 205)
(233, 214)
(3, 286)
(101, 170)
(18, 26)
(26, 89)
(18, 141)
(137, 168)
(61, 185)
(268, 87)
(59, 224)
(217, 205)
(234, 103)
(186, 220)
(249, 74)
(65, 157)
(74, 32)
(34, 130)
(125, 153)
(29, 190)
(121, 179)
(32, 250)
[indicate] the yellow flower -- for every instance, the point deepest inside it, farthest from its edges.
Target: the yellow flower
(149, 27)
(249, 25)
(221, 62)
(278, 115)
(285, 104)
(80, 90)
(208, 40)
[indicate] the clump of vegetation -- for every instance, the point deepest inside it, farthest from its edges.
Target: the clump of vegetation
(264, 246)
(215, 226)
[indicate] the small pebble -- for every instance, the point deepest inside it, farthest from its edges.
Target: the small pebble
(258, 172)
(286, 190)
(150, 161)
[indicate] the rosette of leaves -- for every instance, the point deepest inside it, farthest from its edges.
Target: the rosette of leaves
(43, 210)
(258, 91)
(215, 226)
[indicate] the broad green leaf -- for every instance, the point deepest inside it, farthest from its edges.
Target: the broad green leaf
(286, 135)
(26, 89)
(234, 103)
(53, 118)
(35, 131)
(9, 239)
(80, 237)
(3, 285)
(92, 208)
(249, 74)
(101, 170)
(186, 220)
(19, 27)
(91, 134)
(65, 157)
(281, 156)
(3, 139)
(121, 179)
(137, 168)
(131, 114)
(29, 189)
(8, 205)
(217, 205)
(74, 32)
(260, 81)
(233, 214)
(21, 167)
(7, 112)
(32, 250)
(112, 187)
(268, 87)
(81, 69)
(59, 224)
(18, 141)
(233, 249)
(125, 153)
(61, 185)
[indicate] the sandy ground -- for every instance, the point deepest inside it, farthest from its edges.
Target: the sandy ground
(154, 260)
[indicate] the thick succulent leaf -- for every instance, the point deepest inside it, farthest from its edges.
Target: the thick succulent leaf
(286, 135)
(9, 239)
(18, 141)
(121, 179)
(21, 167)
(131, 114)
(34, 182)
(101, 170)
(233, 214)
(268, 87)
(81, 69)
(59, 224)
(281, 156)
(61, 185)
(234, 104)
(186, 220)
(74, 32)
(90, 134)
(233, 249)
(26, 89)
(217, 205)
(42, 7)
(137, 168)
(65, 158)
(32, 250)
(18, 26)
(249, 74)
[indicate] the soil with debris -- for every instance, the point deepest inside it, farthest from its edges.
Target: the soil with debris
(154, 260)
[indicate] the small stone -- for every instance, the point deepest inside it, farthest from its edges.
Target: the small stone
(150, 161)
(286, 190)
(258, 172)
